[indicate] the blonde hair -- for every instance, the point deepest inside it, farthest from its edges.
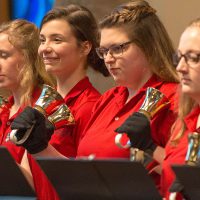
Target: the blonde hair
(24, 36)
(139, 20)
(186, 103)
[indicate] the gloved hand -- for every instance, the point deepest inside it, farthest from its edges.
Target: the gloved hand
(40, 134)
(176, 186)
(179, 188)
(137, 127)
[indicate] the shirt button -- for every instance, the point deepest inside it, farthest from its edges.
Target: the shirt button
(8, 123)
(116, 118)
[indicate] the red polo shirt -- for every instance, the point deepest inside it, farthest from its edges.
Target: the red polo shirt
(16, 151)
(176, 154)
(112, 110)
(80, 100)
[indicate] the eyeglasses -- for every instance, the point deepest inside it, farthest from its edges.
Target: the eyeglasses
(114, 50)
(191, 58)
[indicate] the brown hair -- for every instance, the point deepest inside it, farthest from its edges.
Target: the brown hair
(84, 27)
(138, 19)
(24, 36)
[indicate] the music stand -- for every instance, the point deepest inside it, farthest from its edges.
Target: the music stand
(127, 180)
(99, 180)
(189, 176)
(13, 183)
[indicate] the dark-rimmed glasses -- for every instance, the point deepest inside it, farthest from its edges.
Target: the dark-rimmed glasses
(191, 58)
(114, 50)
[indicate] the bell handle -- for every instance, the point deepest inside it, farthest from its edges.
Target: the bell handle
(118, 138)
(12, 136)
(172, 196)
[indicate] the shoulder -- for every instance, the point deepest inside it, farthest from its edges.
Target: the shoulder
(116, 91)
(169, 88)
(111, 94)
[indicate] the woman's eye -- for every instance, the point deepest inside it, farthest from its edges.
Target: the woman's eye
(42, 40)
(3, 54)
(57, 39)
(116, 49)
(193, 58)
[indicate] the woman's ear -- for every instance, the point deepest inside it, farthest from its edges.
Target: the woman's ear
(86, 47)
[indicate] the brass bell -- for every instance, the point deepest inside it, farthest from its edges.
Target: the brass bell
(153, 102)
(193, 148)
(61, 117)
(48, 100)
(51, 105)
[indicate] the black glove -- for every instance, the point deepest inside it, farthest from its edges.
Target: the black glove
(40, 134)
(137, 127)
(178, 187)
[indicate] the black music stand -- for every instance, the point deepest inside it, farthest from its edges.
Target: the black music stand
(127, 180)
(189, 176)
(99, 180)
(13, 184)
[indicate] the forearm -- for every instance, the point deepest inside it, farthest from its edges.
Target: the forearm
(25, 168)
(159, 154)
(50, 151)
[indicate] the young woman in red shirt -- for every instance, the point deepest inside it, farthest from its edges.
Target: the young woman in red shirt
(22, 74)
(188, 68)
(68, 39)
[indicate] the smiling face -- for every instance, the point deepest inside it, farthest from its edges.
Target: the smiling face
(11, 62)
(189, 72)
(131, 69)
(59, 48)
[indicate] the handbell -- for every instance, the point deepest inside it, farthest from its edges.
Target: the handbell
(193, 152)
(61, 117)
(47, 104)
(153, 102)
(192, 155)
(48, 100)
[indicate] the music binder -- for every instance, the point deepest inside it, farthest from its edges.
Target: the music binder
(189, 177)
(99, 179)
(13, 183)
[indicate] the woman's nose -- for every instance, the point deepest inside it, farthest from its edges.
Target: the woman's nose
(182, 66)
(108, 58)
(44, 48)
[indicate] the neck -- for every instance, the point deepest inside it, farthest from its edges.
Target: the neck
(65, 84)
(133, 89)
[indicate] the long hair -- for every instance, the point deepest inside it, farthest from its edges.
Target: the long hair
(24, 36)
(186, 103)
(84, 28)
(140, 22)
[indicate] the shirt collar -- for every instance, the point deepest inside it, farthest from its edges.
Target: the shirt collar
(191, 119)
(8, 105)
(154, 82)
(78, 89)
